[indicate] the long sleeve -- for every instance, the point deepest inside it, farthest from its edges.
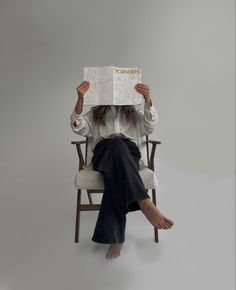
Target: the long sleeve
(82, 124)
(148, 119)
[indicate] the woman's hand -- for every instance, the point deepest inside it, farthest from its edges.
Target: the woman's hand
(145, 91)
(82, 88)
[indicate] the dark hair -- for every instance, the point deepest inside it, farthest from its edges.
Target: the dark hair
(127, 112)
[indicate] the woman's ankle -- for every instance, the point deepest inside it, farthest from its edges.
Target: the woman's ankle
(144, 202)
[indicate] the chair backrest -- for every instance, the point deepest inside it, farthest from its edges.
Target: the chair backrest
(143, 148)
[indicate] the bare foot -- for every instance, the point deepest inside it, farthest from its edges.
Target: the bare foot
(114, 251)
(155, 217)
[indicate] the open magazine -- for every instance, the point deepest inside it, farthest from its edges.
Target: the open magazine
(110, 85)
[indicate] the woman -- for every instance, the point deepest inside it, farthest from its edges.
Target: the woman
(117, 157)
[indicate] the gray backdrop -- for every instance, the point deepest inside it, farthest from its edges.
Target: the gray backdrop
(186, 52)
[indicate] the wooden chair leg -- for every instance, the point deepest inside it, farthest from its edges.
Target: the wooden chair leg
(156, 238)
(77, 222)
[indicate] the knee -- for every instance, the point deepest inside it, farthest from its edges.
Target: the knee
(118, 143)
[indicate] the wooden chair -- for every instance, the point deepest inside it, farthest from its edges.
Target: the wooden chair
(92, 181)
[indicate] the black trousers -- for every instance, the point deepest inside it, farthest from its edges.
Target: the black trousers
(117, 158)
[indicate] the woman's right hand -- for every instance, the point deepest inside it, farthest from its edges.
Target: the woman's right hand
(82, 88)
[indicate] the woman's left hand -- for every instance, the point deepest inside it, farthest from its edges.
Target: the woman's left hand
(143, 89)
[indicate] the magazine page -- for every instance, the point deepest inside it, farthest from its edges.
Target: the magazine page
(124, 80)
(100, 91)
(111, 85)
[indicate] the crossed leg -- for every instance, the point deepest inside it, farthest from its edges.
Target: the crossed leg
(118, 161)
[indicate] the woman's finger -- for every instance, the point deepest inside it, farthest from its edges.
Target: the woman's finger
(83, 90)
(141, 85)
(82, 85)
(143, 90)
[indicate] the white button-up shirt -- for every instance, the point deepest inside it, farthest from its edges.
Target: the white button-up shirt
(84, 125)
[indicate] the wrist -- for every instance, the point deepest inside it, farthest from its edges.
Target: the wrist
(148, 101)
(80, 95)
(81, 99)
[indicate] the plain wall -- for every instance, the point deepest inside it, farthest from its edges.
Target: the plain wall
(186, 52)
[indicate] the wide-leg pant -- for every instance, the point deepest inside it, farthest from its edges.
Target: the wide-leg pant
(117, 158)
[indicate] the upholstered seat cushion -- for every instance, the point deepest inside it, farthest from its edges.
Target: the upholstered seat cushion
(88, 178)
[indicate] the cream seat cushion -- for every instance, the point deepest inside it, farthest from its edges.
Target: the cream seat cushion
(88, 178)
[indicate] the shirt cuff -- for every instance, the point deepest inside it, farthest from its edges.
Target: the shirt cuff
(149, 108)
(75, 115)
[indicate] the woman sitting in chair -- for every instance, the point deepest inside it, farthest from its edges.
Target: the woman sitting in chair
(117, 157)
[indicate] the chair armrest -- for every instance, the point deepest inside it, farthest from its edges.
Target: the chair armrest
(151, 160)
(154, 141)
(79, 151)
(78, 142)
